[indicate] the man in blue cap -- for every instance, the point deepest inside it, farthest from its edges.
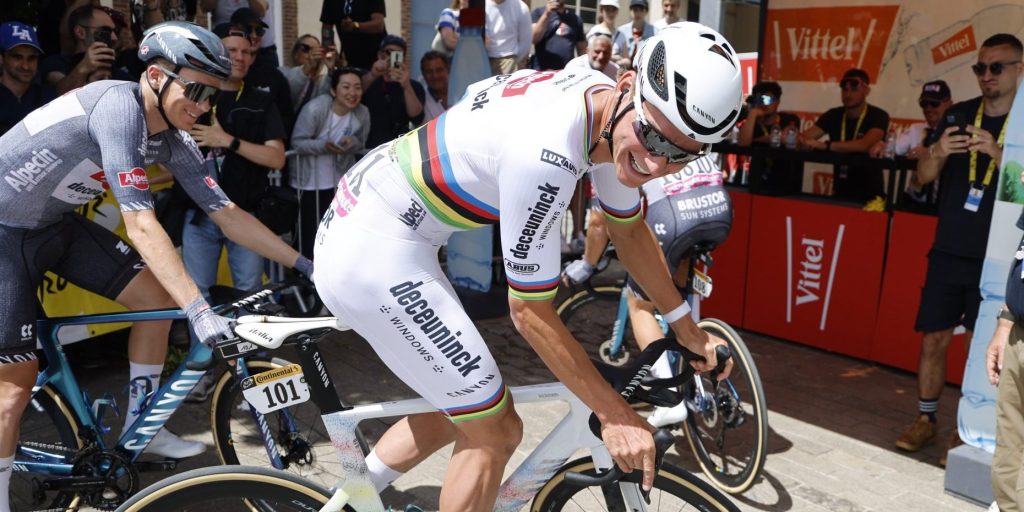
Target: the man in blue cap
(18, 94)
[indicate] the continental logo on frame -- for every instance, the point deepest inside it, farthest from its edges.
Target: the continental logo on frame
(818, 44)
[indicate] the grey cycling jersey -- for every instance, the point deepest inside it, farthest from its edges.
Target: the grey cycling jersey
(89, 140)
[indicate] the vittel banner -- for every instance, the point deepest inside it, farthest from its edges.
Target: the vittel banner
(807, 45)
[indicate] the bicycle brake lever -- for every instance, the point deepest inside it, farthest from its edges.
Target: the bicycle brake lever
(662, 442)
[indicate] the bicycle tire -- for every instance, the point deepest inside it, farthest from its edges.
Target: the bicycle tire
(230, 488)
(732, 467)
(55, 424)
(590, 316)
(238, 441)
(671, 485)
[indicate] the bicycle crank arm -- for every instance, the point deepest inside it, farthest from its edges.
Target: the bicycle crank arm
(157, 465)
(75, 483)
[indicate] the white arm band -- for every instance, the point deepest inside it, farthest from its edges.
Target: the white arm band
(677, 313)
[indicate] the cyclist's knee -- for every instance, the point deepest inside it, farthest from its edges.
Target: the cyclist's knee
(502, 431)
(16, 381)
(145, 292)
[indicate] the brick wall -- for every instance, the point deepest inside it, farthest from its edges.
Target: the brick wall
(407, 21)
(289, 28)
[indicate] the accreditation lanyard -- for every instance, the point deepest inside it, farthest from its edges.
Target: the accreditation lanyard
(973, 176)
(216, 155)
(860, 119)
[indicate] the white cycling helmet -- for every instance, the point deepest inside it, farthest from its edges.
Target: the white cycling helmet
(690, 74)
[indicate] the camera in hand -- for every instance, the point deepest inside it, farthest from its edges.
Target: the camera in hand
(959, 120)
(760, 100)
(104, 35)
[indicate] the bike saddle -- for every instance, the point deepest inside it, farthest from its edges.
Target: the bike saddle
(270, 332)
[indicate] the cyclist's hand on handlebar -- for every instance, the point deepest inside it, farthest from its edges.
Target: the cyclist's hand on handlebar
(707, 349)
(631, 444)
(209, 327)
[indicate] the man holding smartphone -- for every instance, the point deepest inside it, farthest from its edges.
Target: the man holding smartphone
(395, 101)
(967, 157)
(95, 34)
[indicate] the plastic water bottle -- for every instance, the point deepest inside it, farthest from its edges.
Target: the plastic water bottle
(776, 136)
(791, 136)
(890, 145)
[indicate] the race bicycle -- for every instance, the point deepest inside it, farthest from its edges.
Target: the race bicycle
(62, 460)
(546, 480)
(727, 422)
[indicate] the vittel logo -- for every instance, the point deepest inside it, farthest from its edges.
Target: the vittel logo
(808, 44)
(811, 261)
(957, 44)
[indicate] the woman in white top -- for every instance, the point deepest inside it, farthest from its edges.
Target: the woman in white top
(329, 134)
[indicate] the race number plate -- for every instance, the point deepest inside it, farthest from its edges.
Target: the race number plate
(276, 389)
(701, 283)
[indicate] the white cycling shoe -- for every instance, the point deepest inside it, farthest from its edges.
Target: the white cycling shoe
(665, 416)
(168, 444)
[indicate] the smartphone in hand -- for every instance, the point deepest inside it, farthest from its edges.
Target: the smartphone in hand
(397, 58)
(959, 120)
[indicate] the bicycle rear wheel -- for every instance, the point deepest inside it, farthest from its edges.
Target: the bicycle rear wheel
(229, 489)
(47, 425)
(729, 436)
(590, 316)
(302, 441)
(674, 489)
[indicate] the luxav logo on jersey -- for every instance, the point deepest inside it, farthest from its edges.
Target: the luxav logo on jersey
(407, 295)
(807, 260)
(818, 44)
(550, 157)
(413, 217)
(33, 171)
(519, 86)
(135, 178)
(538, 212)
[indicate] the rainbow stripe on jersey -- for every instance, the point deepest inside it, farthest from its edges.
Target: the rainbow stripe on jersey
(423, 158)
(489, 406)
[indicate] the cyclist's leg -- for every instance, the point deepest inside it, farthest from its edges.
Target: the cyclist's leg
(383, 279)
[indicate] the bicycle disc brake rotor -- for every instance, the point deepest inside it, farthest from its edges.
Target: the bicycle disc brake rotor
(121, 479)
(299, 450)
(731, 409)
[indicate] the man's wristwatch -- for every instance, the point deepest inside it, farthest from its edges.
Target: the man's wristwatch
(1006, 314)
(233, 147)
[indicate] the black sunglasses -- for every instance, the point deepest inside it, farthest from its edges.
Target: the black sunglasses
(850, 84)
(996, 67)
(658, 145)
(923, 103)
(194, 91)
(303, 48)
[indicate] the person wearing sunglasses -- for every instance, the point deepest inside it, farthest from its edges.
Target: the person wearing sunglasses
(514, 149)
(94, 35)
(913, 142)
(99, 138)
(966, 159)
(853, 127)
(311, 74)
(263, 71)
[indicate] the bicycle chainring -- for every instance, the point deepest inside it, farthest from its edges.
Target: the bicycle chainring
(121, 479)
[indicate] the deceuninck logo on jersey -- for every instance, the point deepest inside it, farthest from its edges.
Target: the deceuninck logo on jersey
(84, 182)
(811, 264)
(519, 86)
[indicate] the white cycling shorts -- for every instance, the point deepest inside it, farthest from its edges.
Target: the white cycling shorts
(383, 279)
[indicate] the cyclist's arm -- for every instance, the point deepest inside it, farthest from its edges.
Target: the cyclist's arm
(242, 228)
(152, 242)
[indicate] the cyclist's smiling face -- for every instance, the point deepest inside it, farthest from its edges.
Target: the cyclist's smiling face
(180, 110)
(634, 164)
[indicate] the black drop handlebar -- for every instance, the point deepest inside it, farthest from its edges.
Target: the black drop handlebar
(635, 383)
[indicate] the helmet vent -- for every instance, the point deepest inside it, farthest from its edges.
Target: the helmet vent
(720, 51)
(656, 71)
(202, 47)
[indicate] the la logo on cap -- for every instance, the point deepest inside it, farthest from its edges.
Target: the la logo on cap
(21, 32)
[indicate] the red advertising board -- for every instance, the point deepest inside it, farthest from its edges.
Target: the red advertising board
(729, 273)
(814, 273)
(895, 341)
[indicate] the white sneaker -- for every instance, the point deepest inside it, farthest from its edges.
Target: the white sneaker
(664, 416)
(168, 444)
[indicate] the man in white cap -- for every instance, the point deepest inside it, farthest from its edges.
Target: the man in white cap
(18, 94)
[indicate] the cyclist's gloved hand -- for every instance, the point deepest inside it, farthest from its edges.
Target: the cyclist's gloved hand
(209, 327)
(579, 271)
(305, 266)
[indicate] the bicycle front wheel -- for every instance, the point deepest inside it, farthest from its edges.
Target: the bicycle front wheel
(49, 426)
(229, 489)
(302, 441)
(674, 489)
(590, 316)
(729, 435)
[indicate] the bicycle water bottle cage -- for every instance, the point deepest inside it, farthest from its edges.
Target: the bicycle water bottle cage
(100, 406)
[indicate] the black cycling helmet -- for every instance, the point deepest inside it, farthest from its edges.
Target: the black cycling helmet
(186, 45)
